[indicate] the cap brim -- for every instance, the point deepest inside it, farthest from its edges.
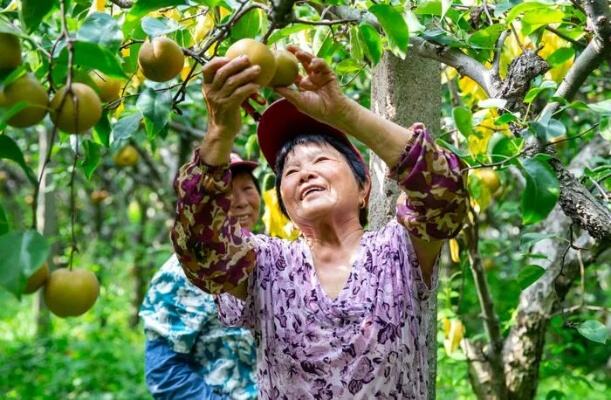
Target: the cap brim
(282, 121)
(247, 165)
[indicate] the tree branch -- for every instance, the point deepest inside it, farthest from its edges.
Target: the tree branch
(524, 346)
(123, 3)
(490, 318)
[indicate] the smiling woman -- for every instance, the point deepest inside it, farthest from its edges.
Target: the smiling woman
(337, 311)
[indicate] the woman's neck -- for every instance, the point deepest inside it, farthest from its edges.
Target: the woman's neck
(330, 234)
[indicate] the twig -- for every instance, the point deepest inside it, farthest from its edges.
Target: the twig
(123, 3)
(325, 22)
(561, 35)
(73, 244)
(515, 34)
(496, 63)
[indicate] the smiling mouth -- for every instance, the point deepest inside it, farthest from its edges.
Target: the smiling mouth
(310, 190)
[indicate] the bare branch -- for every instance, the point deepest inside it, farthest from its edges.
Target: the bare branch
(496, 63)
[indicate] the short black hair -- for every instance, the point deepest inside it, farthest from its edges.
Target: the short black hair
(354, 161)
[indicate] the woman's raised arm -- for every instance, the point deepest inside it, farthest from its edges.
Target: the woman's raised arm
(211, 247)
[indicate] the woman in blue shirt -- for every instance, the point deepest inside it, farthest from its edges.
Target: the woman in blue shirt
(189, 354)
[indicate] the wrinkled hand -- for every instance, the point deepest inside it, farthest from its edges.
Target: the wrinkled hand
(319, 94)
(228, 84)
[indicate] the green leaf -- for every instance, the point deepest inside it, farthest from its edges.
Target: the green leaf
(124, 128)
(10, 151)
(542, 16)
(159, 26)
(347, 66)
(560, 56)
(373, 43)
(486, 38)
(594, 330)
(91, 150)
(393, 24)
(429, 8)
(92, 56)
(413, 24)
(541, 192)
(602, 107)
(143, 7)
(4, 224)
(33, 11)
(356, 50)
(101, 29)
(463, 119)
(535, 91)
(501, 147)
(529, 275)
(248, 26)
(288, 31)
(21, 253)
(605, 128)
(101, 130)
(155, 106)
(524, 7)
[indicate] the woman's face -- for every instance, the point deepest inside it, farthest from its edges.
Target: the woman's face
(317, 183)
(245, 200)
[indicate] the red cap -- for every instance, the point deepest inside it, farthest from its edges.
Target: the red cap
(282, 121)
(237, 162)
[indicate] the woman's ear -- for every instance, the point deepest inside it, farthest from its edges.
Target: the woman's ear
(366, 190)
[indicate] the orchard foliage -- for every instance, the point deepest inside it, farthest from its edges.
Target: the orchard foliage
(110, 167)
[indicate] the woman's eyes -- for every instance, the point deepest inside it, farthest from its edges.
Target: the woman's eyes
(321, 158)
(290, 171)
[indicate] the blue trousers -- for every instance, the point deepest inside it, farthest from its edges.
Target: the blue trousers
(174, 376)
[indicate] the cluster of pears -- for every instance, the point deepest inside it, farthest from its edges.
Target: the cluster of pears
(73, 111)
(161, 59)
(67, 292)
(279, 68)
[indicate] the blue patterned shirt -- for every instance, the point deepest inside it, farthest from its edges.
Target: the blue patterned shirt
(185, 316)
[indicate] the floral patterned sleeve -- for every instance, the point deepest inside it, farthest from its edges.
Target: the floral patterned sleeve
(211, 247)
(436, 191)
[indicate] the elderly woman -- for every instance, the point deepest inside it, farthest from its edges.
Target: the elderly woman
(339, 313)
(189, 354)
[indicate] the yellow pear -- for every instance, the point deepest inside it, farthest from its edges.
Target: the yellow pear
(109, 89)
(258, 54)
(76, 116)
(27, 89)
(126, 157)
(160, 59)
(10, 51)
(71, 292)
(287, 68)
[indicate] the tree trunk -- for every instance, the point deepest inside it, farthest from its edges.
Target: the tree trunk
(138, 269)
(46, 221)
(404, 91)
(524, 345)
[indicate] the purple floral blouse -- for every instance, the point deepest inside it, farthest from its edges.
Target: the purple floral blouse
(368, 342)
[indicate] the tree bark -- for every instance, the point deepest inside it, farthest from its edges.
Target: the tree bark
(404, 91)
(524, 346)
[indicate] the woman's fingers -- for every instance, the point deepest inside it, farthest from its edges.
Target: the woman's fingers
(244, 92)
(212, 66)
(231, 68)
(239, 79)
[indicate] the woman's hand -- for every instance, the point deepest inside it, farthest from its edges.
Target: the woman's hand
(319, 94)
(227, 84)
